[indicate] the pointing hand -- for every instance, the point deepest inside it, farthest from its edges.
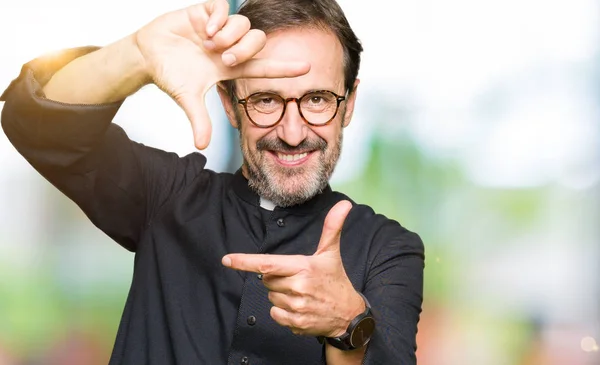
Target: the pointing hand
(312, 295)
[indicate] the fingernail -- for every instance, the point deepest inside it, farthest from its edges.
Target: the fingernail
(208, 44)
(229, 59)
(226, 261)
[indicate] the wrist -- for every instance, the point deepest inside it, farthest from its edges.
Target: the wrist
(335, 356)
(356, 307)
(134, 62)
(358, 333)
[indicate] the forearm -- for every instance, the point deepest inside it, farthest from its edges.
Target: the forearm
(336, 356)
(107, 75)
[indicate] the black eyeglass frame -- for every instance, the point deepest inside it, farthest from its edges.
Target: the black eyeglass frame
(339, 99)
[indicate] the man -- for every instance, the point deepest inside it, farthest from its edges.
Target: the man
(264, 266)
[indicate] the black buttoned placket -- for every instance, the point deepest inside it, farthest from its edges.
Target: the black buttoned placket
(254, 318)
(256, 333)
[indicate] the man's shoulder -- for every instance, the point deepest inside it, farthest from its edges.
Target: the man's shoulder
(196, 163)
(378, 228)
(365, 214)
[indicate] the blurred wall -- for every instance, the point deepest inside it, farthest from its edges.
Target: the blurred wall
(476, 126)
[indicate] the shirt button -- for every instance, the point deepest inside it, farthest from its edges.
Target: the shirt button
(251, 320)
(259, 276)
(280, 222)
(245, 360)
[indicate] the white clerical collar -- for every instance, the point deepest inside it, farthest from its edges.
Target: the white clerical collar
(267, 204)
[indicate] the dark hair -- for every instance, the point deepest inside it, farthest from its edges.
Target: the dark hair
(273, 15)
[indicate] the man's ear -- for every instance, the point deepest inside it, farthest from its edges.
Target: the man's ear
(227, 104)
(350, 104)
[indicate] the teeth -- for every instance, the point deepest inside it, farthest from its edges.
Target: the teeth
(283, 157)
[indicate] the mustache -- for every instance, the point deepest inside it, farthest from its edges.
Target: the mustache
(276, 144)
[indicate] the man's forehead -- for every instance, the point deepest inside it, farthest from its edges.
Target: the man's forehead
(319, 47)
(290, 87)
(291, 43)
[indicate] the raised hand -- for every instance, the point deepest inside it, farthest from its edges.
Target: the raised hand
(187, 51)
(311, 295)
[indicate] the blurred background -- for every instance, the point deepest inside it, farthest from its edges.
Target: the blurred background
(477, 126)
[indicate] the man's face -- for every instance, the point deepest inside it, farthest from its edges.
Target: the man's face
(292, 162)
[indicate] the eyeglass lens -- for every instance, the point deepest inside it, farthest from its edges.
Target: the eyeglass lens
(316, 107)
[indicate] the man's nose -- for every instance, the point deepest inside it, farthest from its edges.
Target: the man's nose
(292, 129)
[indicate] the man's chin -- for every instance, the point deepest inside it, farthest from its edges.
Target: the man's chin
(293, 178)
(287, 186)
(294, 190)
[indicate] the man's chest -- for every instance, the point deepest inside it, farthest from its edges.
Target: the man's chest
(178, 267)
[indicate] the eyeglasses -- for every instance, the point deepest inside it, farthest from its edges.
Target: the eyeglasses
(317, 108)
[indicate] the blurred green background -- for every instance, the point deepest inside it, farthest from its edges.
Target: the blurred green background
(477, 126)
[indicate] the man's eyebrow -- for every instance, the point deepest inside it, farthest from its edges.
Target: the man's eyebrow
(265, 91)
(271, 91)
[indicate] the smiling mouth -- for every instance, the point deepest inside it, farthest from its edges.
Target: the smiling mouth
(291, 159)
(295, 157)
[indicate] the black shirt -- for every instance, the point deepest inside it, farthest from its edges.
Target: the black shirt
(180, 219)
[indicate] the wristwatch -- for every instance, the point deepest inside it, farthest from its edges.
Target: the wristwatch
(358, 334)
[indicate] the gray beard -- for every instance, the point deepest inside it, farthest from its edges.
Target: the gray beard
(262, 178)
(260, 183)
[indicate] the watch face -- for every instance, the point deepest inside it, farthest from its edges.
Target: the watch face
(362, 332)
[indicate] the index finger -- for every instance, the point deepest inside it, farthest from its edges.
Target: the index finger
(265, 68)
(280, 265)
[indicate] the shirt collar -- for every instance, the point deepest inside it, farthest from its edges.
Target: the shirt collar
(267, 204)
(319, 202)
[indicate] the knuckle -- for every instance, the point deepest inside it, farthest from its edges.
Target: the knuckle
(239, 21)
(244, 22)
(249, 45)
(300, 323)
(222, 39)
(257, 35)
(300, 287)
(265, 267)
(299, 305)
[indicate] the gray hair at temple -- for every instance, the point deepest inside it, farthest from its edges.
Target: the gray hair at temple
(274, 15)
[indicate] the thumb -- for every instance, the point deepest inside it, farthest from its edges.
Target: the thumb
(195, 108)
(332, 228)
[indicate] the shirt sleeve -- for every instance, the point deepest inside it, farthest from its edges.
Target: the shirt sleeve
(394, 289)
(118, 183)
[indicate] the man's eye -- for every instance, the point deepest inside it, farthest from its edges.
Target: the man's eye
(265, 101)
(316, 100)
